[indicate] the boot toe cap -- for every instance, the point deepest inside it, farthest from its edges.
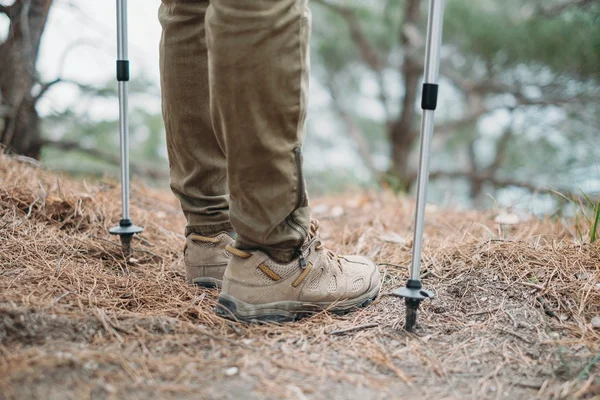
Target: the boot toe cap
(363, 274)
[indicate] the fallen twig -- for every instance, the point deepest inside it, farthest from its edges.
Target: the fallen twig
(530, 385)
(483, 312)
(533, 285)
(546, 308)
(354, 329)
(523, 338)
(586, 371)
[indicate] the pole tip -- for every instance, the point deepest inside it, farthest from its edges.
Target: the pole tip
(413, 294)
(126, 230)
(126, 245)
(411, 316)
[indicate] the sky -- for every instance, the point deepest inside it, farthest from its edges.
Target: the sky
(80, 44)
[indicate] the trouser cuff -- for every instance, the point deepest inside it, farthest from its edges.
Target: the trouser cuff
(208, 229)
(280, 255)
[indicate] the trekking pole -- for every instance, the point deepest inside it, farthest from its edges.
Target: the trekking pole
(126, 229)
(414, 293)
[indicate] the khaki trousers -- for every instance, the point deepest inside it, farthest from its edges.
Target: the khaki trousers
(234, 79)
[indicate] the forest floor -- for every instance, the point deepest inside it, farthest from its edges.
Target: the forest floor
(512, 318)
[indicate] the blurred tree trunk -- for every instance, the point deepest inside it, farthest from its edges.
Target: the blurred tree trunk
(20, 132)
(402, 132)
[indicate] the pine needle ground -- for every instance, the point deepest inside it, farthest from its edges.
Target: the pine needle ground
(512, 316)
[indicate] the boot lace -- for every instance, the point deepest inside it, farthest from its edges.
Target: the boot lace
(314, 234)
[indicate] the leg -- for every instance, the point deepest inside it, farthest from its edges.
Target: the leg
(196, 157)
(258, 65)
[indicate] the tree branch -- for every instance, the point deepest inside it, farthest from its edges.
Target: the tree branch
(504, 182)
(366, 49)
(368, 52)
(451, 126)
(472, 117)
(61, 65)
(5, 10)
(401, 131)
(501, 148)
(355, 132)
(411, 71)
(142, 170)
(557, 9)
(44, 88)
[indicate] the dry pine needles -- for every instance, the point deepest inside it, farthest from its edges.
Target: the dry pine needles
(512, 317)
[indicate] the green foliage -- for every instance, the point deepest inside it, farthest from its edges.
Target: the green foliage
(596, 217)
(76, 125)
(594, 230)
(330, 181)
(509, 33)
(509, 42)
(332, 41)
(585, 372)
(513, 43)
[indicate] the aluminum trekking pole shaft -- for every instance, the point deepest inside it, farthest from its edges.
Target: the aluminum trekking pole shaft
(414, 293)
(123, 78)
(126, 229)
(428, 104)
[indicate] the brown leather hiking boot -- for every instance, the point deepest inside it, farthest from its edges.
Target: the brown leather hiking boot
(205, 258)
(257, 288)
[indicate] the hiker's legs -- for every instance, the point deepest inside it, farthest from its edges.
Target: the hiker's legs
(196, 156)
(258, 65)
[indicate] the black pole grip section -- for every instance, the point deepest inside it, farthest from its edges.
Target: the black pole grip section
(122, 70)
(429, 96)
(414, 284)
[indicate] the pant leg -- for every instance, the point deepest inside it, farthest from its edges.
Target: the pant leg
(196, 157)
(259, 69)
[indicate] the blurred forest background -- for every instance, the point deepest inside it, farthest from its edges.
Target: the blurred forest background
(517, 123)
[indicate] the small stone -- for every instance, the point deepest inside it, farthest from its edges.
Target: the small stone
(109, 388)
(507, 219)
(356, 202)
(555, 335)
(320, 209)
(584, 276)
(563, 317)
(90, 365)
(337, 212)
(392, 237)
(431, 208)
(232, 371)
(596, 322)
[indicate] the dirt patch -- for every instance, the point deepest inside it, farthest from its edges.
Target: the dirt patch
(512, 316)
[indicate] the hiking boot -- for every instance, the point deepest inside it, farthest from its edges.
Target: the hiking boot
(205, 258)
(257, 288)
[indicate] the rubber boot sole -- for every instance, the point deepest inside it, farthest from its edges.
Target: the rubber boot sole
(287, 311)
(209, 283)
